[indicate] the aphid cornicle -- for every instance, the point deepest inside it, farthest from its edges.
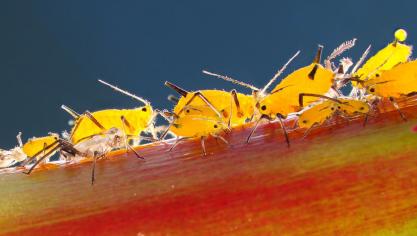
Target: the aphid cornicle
(197, 126)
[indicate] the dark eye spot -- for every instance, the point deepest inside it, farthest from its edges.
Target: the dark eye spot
(377, 75)
(305, 121)
(188, 111)
(263, 108)
(215, 126)
(361, 108)
(144, 109)
(338, 107)
(332, 108)
(372, 90)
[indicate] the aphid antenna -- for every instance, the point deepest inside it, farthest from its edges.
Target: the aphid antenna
(362, 59)
(146, 102)
(70, 111)
(227, 78)
(279, 73)
(340, 49)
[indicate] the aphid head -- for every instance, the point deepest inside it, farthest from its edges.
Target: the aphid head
(264, 107)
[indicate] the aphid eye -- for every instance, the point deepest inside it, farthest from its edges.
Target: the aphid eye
(332, 108)
(263, 108)
(215, 126)
(372, 90)
(377, 75)
(305, 121)
(188, 111)
(144, 109)
(361, 108)
(338, 107)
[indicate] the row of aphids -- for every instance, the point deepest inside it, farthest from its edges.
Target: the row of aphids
(311, 94)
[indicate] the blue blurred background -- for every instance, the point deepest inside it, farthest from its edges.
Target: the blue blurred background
(53, 52)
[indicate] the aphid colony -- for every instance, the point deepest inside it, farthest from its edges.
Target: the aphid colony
(312, 94)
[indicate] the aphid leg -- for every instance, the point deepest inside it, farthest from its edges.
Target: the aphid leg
(177, 142)
(127, 145)
(256, 126)
(280, 117)
(237, 104)
(19, 139)
(302, 95)
(365, 120)
(203, 145)
(166, 131)
(205, 100)
(308, 131)
(44, 156)
(93, 171)
(395, 104)
(221, 138)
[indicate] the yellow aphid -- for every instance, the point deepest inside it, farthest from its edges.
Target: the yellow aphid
(323, 111)
(35, 147)
(284, 98)
(233, 106)
(317, 114)
(395, 83)
(42, 148)
(385, 59)
(196, 126)
(131, 121)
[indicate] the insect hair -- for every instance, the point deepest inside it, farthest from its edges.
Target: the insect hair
(146, 102)
(364, 55)
(279, 72)
(339, 50)
(227, 78)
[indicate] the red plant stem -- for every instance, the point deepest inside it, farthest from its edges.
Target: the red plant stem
(342, 179)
